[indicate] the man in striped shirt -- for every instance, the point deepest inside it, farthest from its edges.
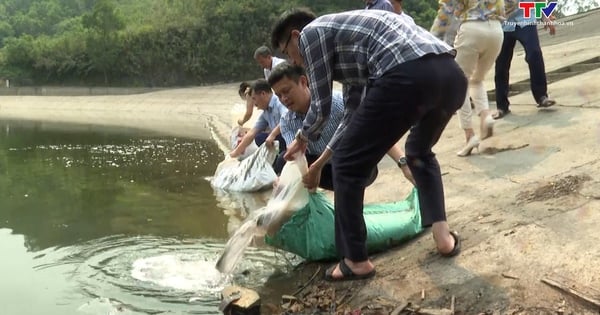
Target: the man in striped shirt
(412, 81)
(290, 84)
(267, 125)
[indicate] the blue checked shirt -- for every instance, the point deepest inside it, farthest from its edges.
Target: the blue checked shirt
(354, 47)
(270, 117)
(292, 121)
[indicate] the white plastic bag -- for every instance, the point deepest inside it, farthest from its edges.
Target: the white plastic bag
(237, 133)
(289, 196)
(251, 174)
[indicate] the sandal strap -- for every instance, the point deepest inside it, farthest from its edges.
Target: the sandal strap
(346, 271)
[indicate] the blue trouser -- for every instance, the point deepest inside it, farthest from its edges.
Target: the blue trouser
(528, 37)
(422, 93)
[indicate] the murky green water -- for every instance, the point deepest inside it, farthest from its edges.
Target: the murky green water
(114, 221)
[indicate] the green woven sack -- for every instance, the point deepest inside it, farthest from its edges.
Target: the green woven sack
(310, 231)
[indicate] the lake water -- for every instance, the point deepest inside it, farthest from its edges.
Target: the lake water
(99, 220)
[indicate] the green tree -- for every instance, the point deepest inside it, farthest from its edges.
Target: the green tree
(423, 12)
(148, 42)
(102, 42)
(18, 58)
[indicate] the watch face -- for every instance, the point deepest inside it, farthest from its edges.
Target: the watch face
(402, 161)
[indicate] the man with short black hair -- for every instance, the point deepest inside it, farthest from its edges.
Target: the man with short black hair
(268, 122)
(290, 84)
(412, 83)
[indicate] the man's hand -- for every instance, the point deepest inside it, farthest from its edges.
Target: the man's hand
(408, 174)
(549, 24)
(235, 153)
(312, 178)
(293, 148)
(270, 141)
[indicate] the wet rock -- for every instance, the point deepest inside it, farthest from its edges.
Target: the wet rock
(237, 300)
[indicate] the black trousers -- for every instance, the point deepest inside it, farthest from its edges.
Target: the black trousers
(422, 93)
(528, 37)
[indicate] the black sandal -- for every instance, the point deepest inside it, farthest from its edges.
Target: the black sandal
(347, 273)
(456, 250)
(499, 114)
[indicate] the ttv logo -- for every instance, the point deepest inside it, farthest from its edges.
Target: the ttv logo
(539, 8)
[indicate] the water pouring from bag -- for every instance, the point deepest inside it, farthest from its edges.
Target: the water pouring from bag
(287, 197)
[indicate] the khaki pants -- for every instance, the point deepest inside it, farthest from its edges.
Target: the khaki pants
(477, 45)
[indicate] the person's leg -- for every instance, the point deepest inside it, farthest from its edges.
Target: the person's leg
(467, 57)
(501, 77)
(282, 144)
(260, 138)
(419, 87)
(279, 163)
(377, 124)
(490, 44)
(450, 88)
(528, 37)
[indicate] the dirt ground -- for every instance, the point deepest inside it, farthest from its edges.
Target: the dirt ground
(527, 205)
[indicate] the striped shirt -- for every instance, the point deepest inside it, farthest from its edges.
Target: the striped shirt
(465, 10)
(270, 117)
(292, 121)
(353, 47)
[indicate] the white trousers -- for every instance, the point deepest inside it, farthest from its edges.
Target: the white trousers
(477, 45)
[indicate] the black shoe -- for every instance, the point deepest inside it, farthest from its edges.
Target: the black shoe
(545, 102)
(500, 113)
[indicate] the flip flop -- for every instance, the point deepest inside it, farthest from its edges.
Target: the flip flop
(545, 102)
(500, 113)
(347, 273)
(456, 250)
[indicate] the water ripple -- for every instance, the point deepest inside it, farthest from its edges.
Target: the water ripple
(151, 275)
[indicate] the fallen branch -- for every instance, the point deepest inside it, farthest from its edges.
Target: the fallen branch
(308, 282)
(347, 298)
(591, 296)
(509, 276)
(400, 308)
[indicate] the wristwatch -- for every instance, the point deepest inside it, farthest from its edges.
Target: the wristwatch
(300, 137)
(402, 162)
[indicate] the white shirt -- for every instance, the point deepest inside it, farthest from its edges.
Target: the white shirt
(274, 62)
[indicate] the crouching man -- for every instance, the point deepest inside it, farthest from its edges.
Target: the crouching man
(290, 84)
